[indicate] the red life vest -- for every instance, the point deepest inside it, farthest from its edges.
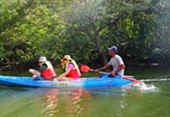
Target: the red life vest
(75, 72)
(49, 72)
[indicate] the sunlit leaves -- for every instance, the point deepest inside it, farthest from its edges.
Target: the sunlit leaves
(83, 28)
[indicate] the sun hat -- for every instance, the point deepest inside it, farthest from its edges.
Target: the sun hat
(114, 48)
(67, 57)
(42, 58)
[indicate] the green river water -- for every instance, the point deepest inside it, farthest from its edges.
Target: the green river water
(153, 100)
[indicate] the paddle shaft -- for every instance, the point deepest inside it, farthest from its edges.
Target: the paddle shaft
(102, 72)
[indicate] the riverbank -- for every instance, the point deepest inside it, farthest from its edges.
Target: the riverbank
(35, 66)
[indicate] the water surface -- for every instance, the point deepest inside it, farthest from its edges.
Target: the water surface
(151, 101)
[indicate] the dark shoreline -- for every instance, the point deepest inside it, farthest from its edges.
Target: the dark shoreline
(35, 66)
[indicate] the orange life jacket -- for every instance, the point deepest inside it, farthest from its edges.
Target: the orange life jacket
(49, 72)
(75, 72)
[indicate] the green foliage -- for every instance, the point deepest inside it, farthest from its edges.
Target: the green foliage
(84, 29)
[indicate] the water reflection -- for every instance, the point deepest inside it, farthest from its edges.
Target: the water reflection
(99, 102)
(91, 102)
(51, 101)
(69, 101)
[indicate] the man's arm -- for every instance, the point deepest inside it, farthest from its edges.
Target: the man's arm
(122, 66)
(102, 68)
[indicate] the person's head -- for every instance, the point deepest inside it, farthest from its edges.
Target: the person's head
(65, 59)
(42, 59)
(112, 50)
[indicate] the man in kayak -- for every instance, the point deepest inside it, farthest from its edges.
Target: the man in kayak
(71, 69)
(45, 72)
(116, 62)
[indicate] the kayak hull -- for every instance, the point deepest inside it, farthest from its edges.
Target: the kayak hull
(17, 81)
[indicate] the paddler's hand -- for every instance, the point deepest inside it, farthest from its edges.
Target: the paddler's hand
(96, 70)
(112, 73)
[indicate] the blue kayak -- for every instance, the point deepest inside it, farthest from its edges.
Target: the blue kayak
(17, 81)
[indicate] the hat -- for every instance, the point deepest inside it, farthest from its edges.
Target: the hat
(42, 58)
(67, 57)
(114, 48)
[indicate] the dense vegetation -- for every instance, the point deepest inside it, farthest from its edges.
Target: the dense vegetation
(84, 29)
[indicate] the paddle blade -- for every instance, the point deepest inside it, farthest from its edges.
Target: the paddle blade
(85, 68)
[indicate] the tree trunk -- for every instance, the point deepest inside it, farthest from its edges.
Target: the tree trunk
(105, 61)
(95, 38)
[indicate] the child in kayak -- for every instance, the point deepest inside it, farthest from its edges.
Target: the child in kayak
(45, 72)
(71, 69)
